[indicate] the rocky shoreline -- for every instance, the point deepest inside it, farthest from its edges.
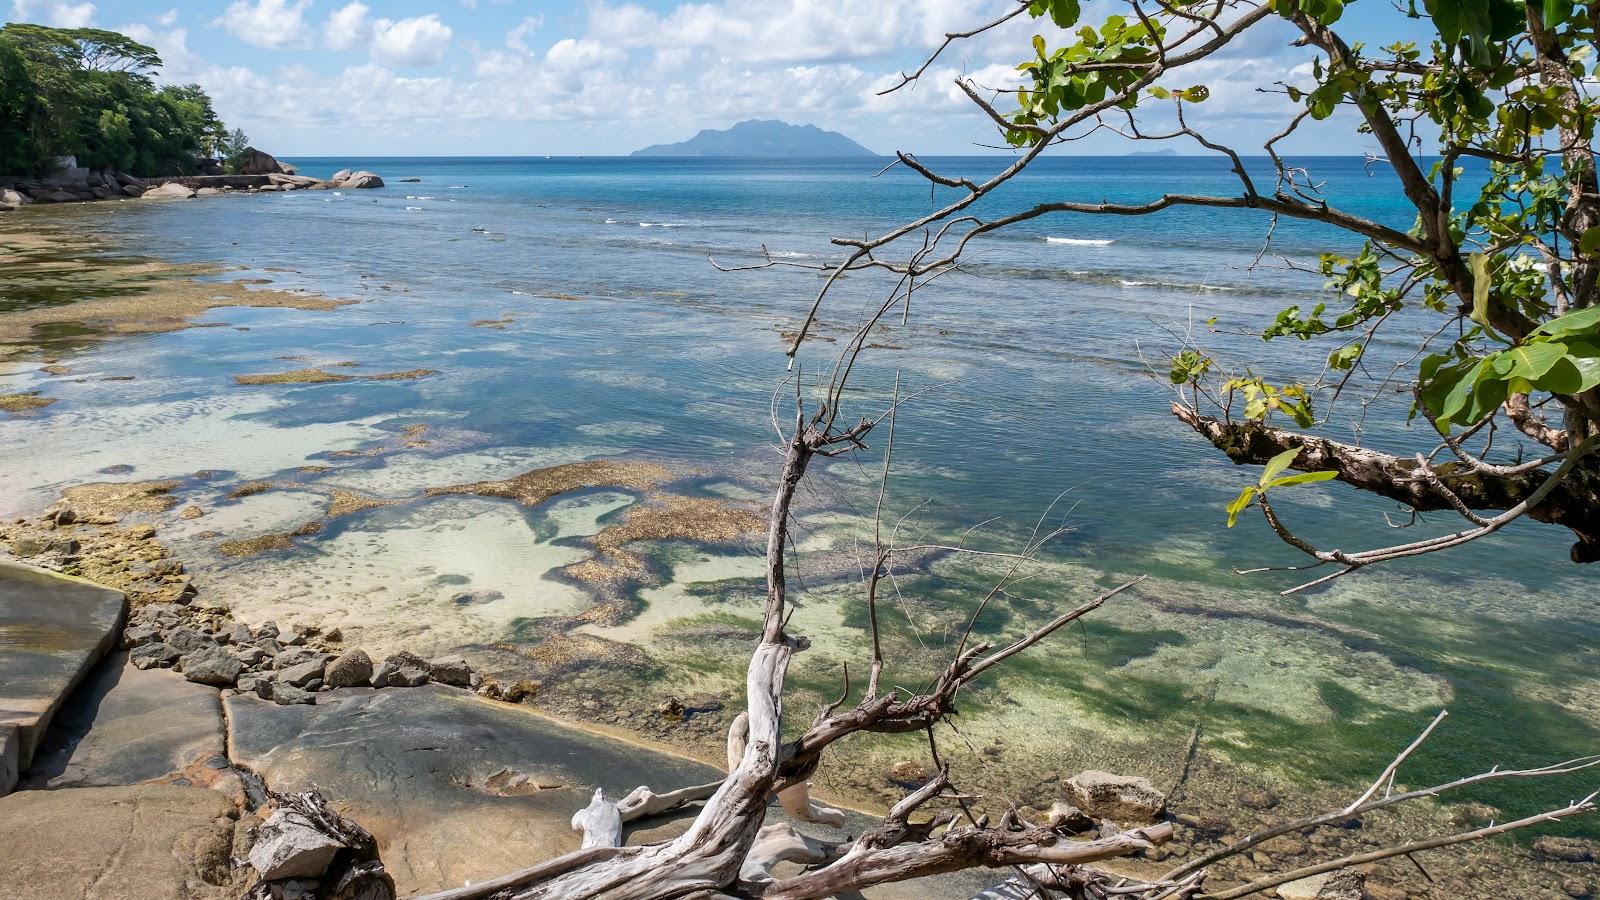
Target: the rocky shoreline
(330, 697)
(260, 173)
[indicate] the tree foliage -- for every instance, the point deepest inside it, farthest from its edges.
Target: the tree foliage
(1509, 267)
(90, 93)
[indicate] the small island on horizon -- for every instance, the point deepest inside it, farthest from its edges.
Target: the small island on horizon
(766, 138)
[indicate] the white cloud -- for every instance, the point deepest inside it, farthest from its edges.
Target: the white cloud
(627, 76)
(267, 23)
(786, 30)
(347, 26)
(419, 41)
(53, 13)
(517, 37)
(166, 19)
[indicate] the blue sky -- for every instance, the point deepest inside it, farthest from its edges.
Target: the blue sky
(527, 77)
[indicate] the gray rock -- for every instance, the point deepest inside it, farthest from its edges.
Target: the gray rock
(361, 180)
(455, 789)
(268, 629)
(124, 726)
(137, 635)
(188, 639)
(294, 656)
(301, 673)
(169, 191)
(341, 176)
(240, 633)
(14, 198)
(403, 669)
(55, 629)
(252, 683)
(154, 656)
(155, 612)
(251, 161)
(351, 669)
(1121, 798)
(250, 656)
(289, 846)
(211, 665)
(270, 645)
(453, 671)
(285, 695)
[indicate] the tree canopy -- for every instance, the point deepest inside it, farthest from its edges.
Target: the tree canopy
(1489, 126)
(90, 93)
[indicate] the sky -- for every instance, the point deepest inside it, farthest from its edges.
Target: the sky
(532, 77)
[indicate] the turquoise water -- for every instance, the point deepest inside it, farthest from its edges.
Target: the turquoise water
(619, 338)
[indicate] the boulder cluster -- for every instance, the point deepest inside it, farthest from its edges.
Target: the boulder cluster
(73, 186)
(282, 665)
(258, 173)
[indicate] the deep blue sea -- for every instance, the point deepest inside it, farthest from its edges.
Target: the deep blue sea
(1041, 369)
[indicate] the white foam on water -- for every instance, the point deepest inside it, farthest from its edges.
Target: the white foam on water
(1079, 242)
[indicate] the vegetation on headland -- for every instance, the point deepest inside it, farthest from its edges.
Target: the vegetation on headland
(91, 94)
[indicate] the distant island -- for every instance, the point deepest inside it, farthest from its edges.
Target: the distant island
(762, 138)
(1166, 151)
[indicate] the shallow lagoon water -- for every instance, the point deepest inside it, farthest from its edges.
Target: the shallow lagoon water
(567, 331)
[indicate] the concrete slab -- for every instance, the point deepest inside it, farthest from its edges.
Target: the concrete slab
(53, 628)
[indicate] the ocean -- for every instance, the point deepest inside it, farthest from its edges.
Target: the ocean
(572, 311)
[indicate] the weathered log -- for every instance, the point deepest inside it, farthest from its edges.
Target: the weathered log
(1573, 504)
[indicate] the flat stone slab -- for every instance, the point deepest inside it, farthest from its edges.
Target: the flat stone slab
(53, 628)
(455, 788)
(118, 843)
(125, 726)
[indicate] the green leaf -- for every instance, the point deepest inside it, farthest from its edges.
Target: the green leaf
(1556, 12)
(1456, 401)
(1533, 360)
(1277, 464)
(1304, 478)
(1572, 323)
(1239, 503)
(1567, 376)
